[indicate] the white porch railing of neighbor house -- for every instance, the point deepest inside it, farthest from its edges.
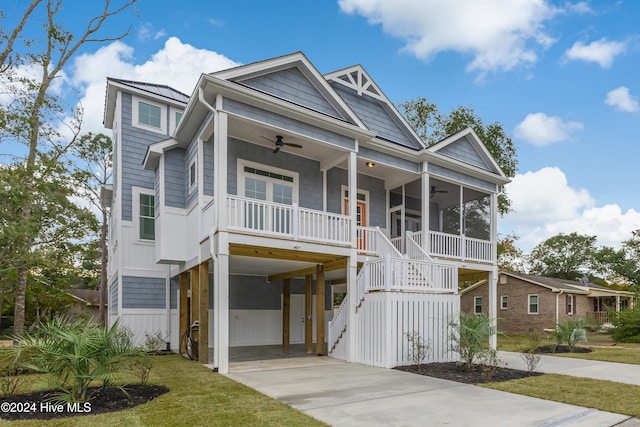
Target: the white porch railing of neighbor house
(275, 219)
(372, 241)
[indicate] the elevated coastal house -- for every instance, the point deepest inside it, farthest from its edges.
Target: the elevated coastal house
(246, 204)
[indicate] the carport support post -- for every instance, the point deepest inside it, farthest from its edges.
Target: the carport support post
(203, 338)
(195, 297)
(184, 314)
(308, 321)
(286, 312)
(320, 311)
(352, 293)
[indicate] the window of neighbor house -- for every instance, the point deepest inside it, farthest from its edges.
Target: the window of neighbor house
(477, 303)
(149, 114)
(533, 304)
(147, 217)
(570, 304)
(504, 302)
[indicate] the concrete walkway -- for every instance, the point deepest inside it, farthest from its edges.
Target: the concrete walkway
(343, 394)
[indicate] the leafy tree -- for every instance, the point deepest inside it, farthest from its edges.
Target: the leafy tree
(510, 257)
(35, 116)
(433, 126)
(564, 256)
(93, 171)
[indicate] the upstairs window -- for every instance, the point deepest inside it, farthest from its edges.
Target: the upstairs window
(147, 217)
(149, 114)
(193, 175)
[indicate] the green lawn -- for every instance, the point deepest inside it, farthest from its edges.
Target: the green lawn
(197, 397)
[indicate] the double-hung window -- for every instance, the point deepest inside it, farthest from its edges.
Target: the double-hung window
(533, 304)
(147, 217)
(477, 303)
(570, 304)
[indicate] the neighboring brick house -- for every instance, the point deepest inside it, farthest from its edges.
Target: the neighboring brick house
(534, 302)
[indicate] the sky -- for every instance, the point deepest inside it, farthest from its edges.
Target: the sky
(562, 77)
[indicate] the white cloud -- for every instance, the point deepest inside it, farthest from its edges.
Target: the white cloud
(499, 35)
(177, 64)
(600, 51)
(539, 129)
(546, 205)
(622, 100)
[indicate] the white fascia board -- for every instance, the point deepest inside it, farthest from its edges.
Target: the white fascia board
(155, 151)
(462, 167)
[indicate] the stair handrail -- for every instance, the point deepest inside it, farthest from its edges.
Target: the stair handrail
(415, 250)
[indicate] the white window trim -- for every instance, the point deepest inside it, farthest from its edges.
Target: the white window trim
(475, 305)
(172, 119)
(135, 121)
(242, 174)
(573, 302)
(502, 307)
(194, 185)
(529, 303)
(136, 192)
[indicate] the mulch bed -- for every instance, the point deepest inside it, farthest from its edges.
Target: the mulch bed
(552, 348)
(34, 405)
(454, 371)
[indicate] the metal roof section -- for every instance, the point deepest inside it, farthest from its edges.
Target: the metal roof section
(380, 115)
(156, 89)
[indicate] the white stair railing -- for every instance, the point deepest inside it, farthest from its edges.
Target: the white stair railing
(371, 240)
(414, 248)
(337, 325)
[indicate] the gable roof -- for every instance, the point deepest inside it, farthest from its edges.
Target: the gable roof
(465, 146)
(378, 113)
(298, 68)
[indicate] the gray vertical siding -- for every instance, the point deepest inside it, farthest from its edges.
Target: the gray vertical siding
(143, 292)
(337, 177)
(175, 178)
(310, 185)
(292, 85)
(113, 290)
(464, 151)
(134, 146)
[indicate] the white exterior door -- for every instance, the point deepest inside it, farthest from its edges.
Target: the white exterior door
(296, 325)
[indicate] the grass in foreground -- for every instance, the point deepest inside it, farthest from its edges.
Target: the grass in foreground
(589, 393)
(197, 397)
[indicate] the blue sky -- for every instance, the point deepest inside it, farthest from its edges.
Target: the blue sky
(561, 76)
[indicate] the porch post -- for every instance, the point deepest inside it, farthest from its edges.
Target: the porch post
(493, 305)
(353, 196)
(184, 310)
(617, 303)
(352, 294)
(308, 321)
(494, 226)
(425, 207)
(203, 315)
(286, 312)
(320, 310)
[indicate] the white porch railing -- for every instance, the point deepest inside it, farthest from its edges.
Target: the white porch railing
(461, 247)
(275, 219)
(371, 240)
(414, 248)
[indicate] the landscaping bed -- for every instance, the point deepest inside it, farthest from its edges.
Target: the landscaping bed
(457, 372)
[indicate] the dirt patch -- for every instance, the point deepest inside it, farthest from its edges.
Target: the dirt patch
(453, 371)
(35, 405)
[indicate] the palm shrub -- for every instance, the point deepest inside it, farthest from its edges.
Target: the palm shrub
(570, 331)
(75, 354)
(469, 337)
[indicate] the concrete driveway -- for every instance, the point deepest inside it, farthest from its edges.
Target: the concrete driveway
(343, 394)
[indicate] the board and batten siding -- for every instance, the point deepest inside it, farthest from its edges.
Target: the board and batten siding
(143, 292)
(292, 85)
(134, 147)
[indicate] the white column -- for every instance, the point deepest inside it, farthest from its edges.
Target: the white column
(353, 195)
(220, 153)
(425, 207)
(494, 226)
(352, 263)
(493, 304)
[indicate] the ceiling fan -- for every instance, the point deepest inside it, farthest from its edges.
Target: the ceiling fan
(280, 143)
(434, 191)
